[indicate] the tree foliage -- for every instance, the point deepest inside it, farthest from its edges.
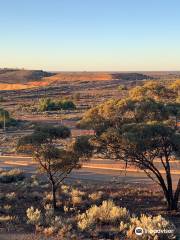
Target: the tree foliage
(140, 130)
(83, 147)
(154, 90)
(42, 135)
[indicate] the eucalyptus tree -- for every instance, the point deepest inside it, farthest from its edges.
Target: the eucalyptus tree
(139, 131)
(56, 163)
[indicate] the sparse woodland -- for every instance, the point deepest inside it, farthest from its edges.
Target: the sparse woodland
(138, 127)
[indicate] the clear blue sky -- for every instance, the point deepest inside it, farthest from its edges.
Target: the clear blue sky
(90, 34)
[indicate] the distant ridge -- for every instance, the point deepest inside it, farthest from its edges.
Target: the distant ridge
(14, 76)
(16, 79)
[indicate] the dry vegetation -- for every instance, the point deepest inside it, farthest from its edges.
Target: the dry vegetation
(87, 209)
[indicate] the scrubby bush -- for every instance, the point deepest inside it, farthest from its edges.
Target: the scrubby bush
(47, 223)
(6, 208)
(6, 119)
(11, 196)
(77, 96)
(46, 104)
(96, 195)
(108, 212)
(76, 196)
(2, 99)
(76, 192)
(4, 115)
(6, 218)
(49, 214)
(27, 107)
(34, 216)
(65, 188)
(67, 105)
(153, 228)
(9, 176)
(122, 87)
(76, 200)
(48, 197)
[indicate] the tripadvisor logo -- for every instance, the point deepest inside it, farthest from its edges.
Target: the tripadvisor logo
(139, 231)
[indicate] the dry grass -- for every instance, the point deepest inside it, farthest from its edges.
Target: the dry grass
(112, 204)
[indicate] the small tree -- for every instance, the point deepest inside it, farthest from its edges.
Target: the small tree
(56, 164)
(50, 159)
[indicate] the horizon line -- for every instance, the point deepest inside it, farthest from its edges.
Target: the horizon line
(51, 70)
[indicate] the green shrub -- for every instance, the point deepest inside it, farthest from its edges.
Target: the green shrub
(9, 123)
(9, 176)
(2, 99)
(46, 104)
(4, 115)
(67, 105)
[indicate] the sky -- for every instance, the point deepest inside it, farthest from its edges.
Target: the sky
(90, 35)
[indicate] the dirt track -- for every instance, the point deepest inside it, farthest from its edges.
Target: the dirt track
(95, 170)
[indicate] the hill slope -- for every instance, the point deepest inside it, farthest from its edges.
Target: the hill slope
(13, 76)
(95, 76)
(11, 79)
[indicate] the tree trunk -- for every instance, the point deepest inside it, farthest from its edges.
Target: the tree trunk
(172, 201)
(176, 196)
(173, 204)
(172, 197)
(169, 187)
(54, 196)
